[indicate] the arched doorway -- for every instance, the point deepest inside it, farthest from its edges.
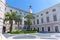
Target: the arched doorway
(42, 29)
(48, 29)
(56, 28)
(4, 29)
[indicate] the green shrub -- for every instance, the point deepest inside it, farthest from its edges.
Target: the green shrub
(24, 31)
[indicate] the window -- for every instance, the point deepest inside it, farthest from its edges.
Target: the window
(16, 11)
(24, 14)
(54, 10)
(55, 18)
(10, 10)
(15, 22)
(41, 20)
(47, 12)
(34, 28)
(37, 21)
(37, 15)
(41, 14)
(48, 29)
(20, 13)
(34, 22)
(47, 18)
(38, 29)
(5, 8)
(43, 29)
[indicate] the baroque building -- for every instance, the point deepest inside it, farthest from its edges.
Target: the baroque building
(47, 20)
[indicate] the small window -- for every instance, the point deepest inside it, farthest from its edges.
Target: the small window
(20, 13)
(5, 8)
(37, 15)
(41, 14)
(54, 10)
(47, 12)
(10, 10)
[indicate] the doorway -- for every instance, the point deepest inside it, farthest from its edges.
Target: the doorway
(42, 29)
(56, 29)
(48, 29)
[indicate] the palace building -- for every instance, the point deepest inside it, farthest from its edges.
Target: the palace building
(47, 20)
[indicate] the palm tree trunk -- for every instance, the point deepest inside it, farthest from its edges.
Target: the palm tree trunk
(18, 25)
(11, 24)
(28, 28)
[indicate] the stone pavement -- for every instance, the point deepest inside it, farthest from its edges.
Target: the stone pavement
(51, 36)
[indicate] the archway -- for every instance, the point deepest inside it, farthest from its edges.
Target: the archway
(56, 28)
(48, 29)
(42, 29)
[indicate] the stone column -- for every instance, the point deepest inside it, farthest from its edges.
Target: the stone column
(2, 11)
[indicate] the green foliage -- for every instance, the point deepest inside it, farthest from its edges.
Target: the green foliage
(29, 17)
(15, 32)
(18, 18)
(10, 17)
(24, 32)
(29, 22)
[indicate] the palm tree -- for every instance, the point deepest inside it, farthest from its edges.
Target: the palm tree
(18, 19)
(10, 17)
(29, 17)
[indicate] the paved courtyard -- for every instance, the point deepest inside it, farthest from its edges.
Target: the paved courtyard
(33, 36)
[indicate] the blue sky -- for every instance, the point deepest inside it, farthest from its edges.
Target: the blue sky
(37, 5)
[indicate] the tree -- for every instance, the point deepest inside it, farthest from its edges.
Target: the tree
(10, 17)
(18, 19)
(29, 17)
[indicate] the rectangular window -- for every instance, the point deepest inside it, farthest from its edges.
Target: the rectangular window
(47, 18)
(41, 20)
(34, 21)
(37, 21)
(55, 18)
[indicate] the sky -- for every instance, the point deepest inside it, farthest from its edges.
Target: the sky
(37, 5)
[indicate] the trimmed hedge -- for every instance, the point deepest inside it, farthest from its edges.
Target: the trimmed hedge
(24, 32)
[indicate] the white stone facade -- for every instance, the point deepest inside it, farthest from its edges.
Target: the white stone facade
(47, 20)
(18, 11)
(50, 24)
(2, 11)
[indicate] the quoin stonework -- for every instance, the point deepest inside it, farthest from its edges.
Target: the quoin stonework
(2, 12)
